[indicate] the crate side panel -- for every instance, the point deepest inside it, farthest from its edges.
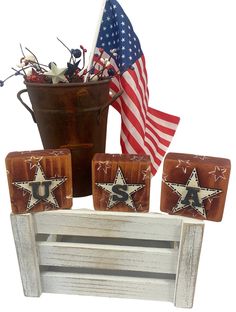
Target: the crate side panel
(24, 236)
(189, 254)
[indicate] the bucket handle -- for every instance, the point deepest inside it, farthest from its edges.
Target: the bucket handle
(112, 100)
(25, 105)
(101, 109)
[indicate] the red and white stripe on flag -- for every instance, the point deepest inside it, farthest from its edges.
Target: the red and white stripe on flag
(144, 130)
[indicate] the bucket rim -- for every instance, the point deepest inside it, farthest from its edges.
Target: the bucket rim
(66, 85)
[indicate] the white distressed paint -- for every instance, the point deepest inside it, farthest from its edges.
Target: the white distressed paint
(158, 260)
(113, 243)
(109, 224)
(24, 236)
(110, 286)
(189, 254)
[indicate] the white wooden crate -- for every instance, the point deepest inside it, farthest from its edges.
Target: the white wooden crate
(129, 255)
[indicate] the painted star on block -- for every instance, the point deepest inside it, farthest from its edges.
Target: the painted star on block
(192, 194)
(56, 74)
(104, 166)
(40, 189)
(120, 191)
(33, 161)
(218, 173)
(183, 164)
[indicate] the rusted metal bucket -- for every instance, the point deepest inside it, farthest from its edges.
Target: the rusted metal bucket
(73, 116)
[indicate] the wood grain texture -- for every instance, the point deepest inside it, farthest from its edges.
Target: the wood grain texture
(23, 167)
(109, 286)
(189, 254)
(109, 224)
(212, 172)
(24, 236)
(136, 169)
(158, 260)
(91, 253)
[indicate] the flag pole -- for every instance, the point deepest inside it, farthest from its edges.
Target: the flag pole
(103, 4)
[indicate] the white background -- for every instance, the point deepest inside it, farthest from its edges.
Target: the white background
(191, 60)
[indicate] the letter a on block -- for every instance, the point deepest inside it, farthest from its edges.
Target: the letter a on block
(192, 194)
(195, 186)
(191, 197)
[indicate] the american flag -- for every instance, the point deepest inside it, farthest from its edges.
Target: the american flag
(144, 130)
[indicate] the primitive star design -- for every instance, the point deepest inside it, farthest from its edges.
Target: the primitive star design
(137, 157)
(40, 178)
(56, 153)
(218, 173)
(56, 74)
(146, 173)
(164, 177)
(33, 161)
(104, 166)
(201, 157)
(192, 184)
(120, 180)
(71, 68)
(183, 164)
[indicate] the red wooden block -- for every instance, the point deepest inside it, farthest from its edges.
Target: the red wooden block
(39, 180)
(121, 182)
(195, 186)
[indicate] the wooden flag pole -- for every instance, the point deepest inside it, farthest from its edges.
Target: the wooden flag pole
(103, 4)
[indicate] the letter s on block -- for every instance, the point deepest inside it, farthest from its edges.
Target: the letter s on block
(121, 195)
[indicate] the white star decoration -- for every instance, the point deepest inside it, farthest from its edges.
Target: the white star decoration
(137, 157)
(33, 161)
(116, 25)
(56, 74)
(128, 189)
(45, 188)
(201, 157)
(104, 166)
(146, 173)
(56, 153)
(183, 164)
(192, 194)
(218, 173)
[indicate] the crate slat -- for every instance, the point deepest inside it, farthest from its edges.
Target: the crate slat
(109, 224)
(110, 286)
(158, 260)
(189, 254)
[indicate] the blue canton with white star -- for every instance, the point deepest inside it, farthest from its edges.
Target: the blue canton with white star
(116, 32)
